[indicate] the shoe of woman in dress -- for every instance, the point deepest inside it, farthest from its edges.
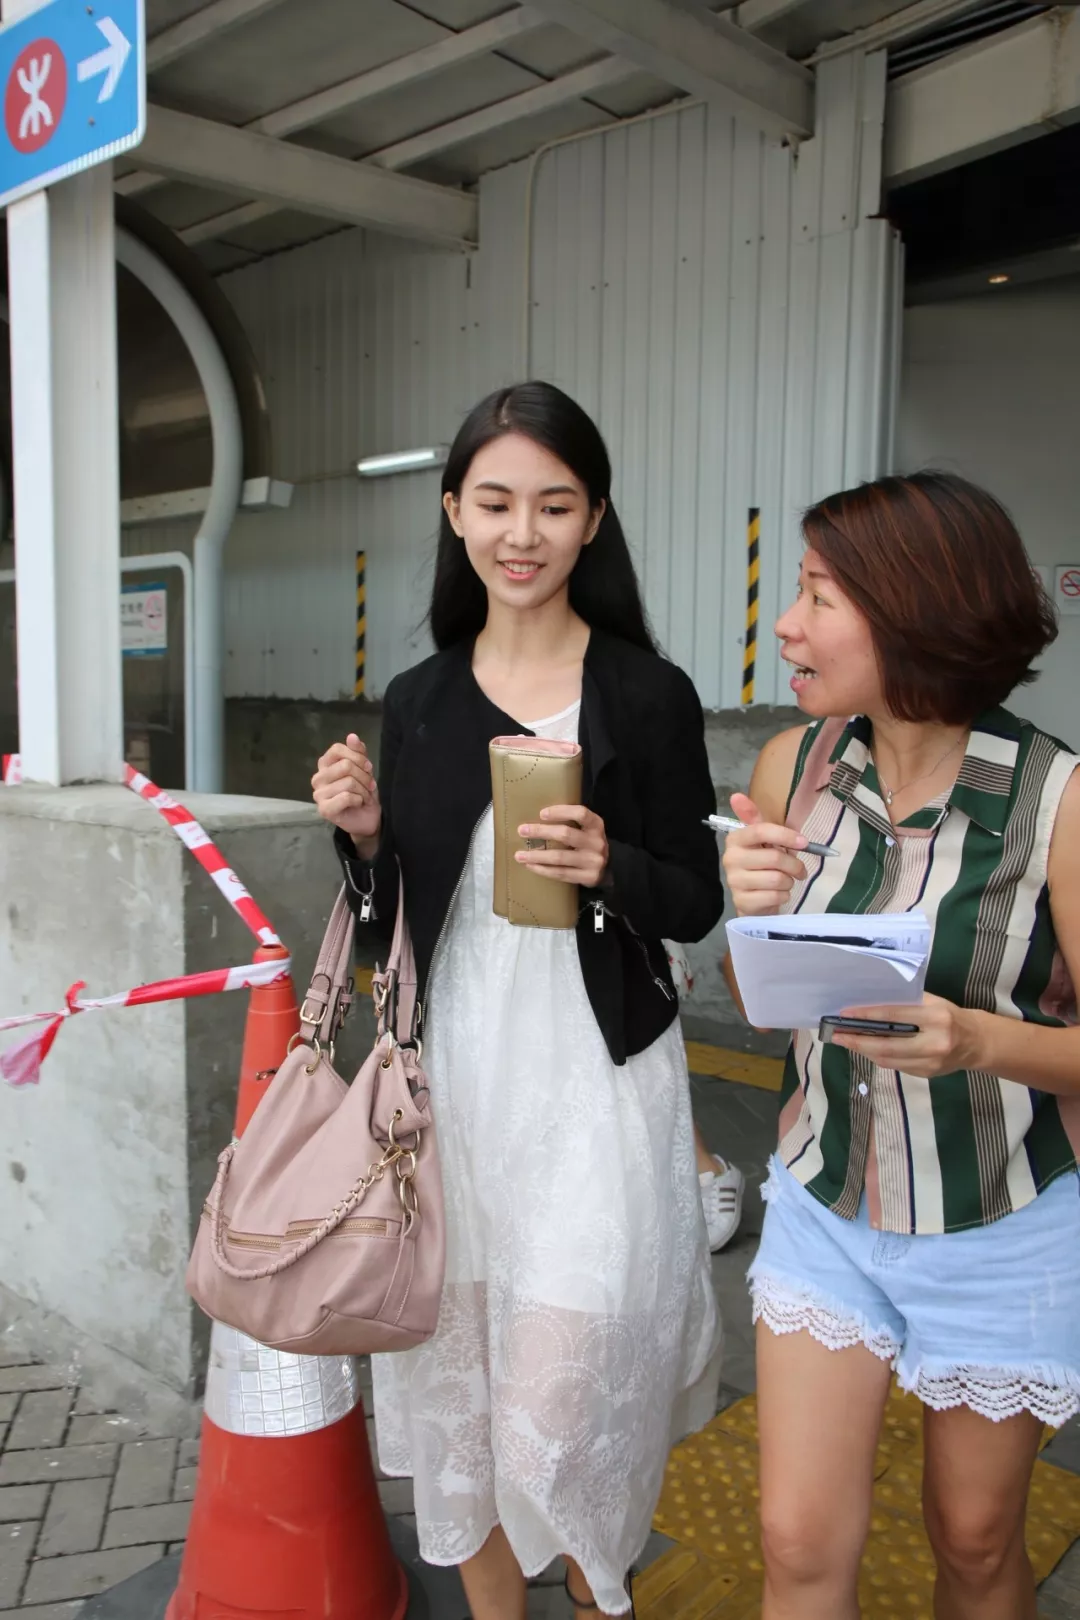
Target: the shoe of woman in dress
(578, 1332)
(923, 1209)
(722, 1188)
(722, 1184)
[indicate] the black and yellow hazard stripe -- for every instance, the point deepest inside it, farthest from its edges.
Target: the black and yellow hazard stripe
(753, 569)
(361, 623)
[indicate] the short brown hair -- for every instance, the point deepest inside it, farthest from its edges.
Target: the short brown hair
(938, 569)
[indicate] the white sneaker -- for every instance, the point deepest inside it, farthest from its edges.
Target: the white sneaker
(721, 1200)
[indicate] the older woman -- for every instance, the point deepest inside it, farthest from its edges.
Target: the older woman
(923, 1206)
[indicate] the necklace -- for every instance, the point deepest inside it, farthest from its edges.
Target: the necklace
(889, 793)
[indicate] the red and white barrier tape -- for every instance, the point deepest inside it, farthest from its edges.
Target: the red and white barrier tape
(210, 858)
(20, 1064)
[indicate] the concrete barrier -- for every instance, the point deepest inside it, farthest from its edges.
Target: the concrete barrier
(104, 1167)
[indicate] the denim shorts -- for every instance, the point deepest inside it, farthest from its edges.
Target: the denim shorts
(987, 1318)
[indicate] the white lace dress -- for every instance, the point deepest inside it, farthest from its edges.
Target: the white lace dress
(579, 1332)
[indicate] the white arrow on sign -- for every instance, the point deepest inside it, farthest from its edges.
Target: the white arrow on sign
(110, 61)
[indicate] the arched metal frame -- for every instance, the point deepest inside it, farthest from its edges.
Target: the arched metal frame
(226, 486)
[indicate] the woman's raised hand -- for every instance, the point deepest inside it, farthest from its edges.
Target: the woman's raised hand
(345, 791)
(577, 846)
(760, 862)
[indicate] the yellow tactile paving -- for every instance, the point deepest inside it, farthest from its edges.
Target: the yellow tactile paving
(684, 1584)
(721, 1063)
(709, 1505)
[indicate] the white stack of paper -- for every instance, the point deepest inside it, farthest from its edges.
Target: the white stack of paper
(794, 971)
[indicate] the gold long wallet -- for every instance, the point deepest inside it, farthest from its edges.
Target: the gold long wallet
(528, 774)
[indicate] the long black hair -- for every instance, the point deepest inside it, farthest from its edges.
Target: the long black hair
(604, 589)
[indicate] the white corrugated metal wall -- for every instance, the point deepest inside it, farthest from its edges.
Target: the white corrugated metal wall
(725, 306)
(720, 304)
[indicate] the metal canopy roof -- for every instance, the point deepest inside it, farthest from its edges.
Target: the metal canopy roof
(274, 121)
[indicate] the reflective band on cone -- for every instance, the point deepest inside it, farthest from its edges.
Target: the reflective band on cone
(253, 1390)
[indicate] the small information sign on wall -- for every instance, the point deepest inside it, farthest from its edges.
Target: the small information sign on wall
(144, 617)
(1067, 589)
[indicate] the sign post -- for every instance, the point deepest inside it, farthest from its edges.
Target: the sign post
(72, 84)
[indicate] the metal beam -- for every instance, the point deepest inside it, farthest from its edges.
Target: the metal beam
(213, 20)
(233, 219)
(584, 81)
(754, 14)
(1004, 90)
(216, 155)
(418, 65)
(700, 53)
(885, 22)
(898, 26)
(527, 104)
(411, 69)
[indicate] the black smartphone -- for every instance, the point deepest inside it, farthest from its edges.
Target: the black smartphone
(863, 1026)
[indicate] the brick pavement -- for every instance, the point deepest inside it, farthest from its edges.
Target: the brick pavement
(88, 1498)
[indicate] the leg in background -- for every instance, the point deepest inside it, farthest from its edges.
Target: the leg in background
(819, 1415)
(580, 1594)
(493, 1582)
(706, 1162)
(975, 1489)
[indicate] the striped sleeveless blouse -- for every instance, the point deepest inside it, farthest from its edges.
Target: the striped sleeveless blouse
(966, 1148)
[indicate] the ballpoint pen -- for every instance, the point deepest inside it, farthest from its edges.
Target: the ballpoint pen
(729, 824)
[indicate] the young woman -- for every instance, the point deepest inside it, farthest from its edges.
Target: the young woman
(578, 1305)
(923, 1208)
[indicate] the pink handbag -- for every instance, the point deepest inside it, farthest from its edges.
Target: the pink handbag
(324, 1233)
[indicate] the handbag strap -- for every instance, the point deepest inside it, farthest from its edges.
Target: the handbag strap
(395, 985)
(330, 992)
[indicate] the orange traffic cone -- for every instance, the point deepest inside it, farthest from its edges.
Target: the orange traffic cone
(287, 1521)
(272, 1018)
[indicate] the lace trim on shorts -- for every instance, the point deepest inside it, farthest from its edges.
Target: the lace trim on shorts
(1051, 1394)
(785, 1309)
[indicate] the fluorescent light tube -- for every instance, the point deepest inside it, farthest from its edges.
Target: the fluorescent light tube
(400, 461)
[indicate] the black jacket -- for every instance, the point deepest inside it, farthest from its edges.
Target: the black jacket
(646, 774)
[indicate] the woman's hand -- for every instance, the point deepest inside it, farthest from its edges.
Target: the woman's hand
(345, 790)
(759, 861)
(949, 1038)
(577, 849)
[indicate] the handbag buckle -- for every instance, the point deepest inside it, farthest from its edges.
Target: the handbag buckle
(315, 1019)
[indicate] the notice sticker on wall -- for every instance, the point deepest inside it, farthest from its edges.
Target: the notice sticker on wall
(1067, 589)
(144, 616)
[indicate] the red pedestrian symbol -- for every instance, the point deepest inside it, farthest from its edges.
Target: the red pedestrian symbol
(1069, 583)
(35, 96)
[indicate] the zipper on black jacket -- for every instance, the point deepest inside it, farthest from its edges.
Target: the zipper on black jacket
(367, 911)
(669, 994)
(600, 911)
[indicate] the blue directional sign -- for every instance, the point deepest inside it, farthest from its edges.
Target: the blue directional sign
(73, 82)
